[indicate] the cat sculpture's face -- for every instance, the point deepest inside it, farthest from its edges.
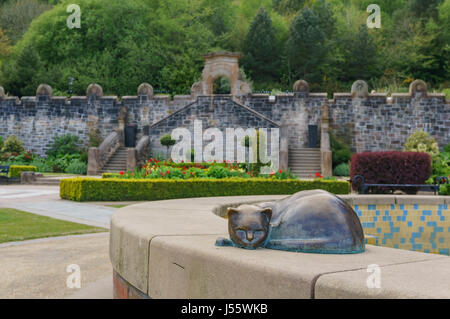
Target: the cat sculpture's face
(248, 225)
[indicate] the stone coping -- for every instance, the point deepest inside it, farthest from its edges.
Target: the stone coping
(166, 249)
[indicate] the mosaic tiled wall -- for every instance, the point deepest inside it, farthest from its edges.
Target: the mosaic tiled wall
(414, 227)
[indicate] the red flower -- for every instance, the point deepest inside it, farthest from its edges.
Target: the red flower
(317, 174)
(121, 173)
(184, 173)
(280, 171)
(167, 172)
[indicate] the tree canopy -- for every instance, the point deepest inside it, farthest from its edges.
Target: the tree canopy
(123, 43)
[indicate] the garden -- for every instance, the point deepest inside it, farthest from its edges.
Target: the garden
(65, 156)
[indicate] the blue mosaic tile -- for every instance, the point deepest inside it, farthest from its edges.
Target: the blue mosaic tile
(392, 206)
(371, 207)
(410, 224)
(420, 229)
(441, 240)
(439, 229)
(402, 240)
(427, 212)
(378, 230)
(387, 213)
(444, 251)
(405, 213)
(416, 206)
(422, 218)
(431, 224)
(402, 206)
(442, 218)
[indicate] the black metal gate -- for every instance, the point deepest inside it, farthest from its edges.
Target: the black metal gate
(130, 136)
(312, 136)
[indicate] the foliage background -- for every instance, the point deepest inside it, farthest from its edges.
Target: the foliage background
(123, 43)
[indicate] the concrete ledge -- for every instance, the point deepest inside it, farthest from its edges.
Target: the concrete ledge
(166, 249)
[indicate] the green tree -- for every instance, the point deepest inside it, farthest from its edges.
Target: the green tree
(305, 47)
(359, 56)
(261, 58)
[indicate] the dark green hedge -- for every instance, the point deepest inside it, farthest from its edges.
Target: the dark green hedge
(113, 189)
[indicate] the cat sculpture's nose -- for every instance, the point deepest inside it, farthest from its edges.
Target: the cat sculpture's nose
(250, 235)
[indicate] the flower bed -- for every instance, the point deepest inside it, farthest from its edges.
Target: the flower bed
(120, 189)
(155, 169)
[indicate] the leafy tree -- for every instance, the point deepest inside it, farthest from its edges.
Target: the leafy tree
(16, 16)
(305, 46)
(261, 49)
(360, 56)
(5, 47)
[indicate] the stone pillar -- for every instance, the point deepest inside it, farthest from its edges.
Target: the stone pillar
(93, 161)
(131, 159)
(325, 148)
(284, 148)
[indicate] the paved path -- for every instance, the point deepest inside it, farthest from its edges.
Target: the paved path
(44, 200)
(37, 268)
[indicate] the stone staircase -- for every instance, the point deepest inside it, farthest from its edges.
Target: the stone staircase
(305, 162)
(117, 162)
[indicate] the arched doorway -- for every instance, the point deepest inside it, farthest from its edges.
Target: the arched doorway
(222, 85)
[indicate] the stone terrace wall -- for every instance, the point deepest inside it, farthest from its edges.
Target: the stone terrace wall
(218, 111)
(38, 120)
(369, 122)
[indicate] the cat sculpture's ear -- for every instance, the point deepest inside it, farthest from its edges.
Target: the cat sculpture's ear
(267, 212)
(232, 211)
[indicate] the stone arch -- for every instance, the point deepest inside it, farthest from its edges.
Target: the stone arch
(222, 64)
(94, 90)
(418, 88)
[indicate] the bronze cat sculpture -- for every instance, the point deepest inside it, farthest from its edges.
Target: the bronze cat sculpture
(313, 221)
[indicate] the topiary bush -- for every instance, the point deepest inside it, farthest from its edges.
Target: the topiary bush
(16, 170)
(391, 168)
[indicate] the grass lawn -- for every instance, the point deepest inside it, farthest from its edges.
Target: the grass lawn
(16, 225)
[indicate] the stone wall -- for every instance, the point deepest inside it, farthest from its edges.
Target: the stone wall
(369, 122)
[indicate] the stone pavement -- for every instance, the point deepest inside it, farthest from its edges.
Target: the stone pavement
(45, 200)
(38, 268)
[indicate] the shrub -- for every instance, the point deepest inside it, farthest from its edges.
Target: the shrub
(342, 169)
(114, 189)
(13, 145)
(421, 141)
(16, 170)
(1, 143)
(42, 165)
(445, 189)
(391, 168)
(63, 145)
(61, 163)
(341, 153)
(77, 167)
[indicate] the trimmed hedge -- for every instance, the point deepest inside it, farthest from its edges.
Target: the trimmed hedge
(391, 168)
(16, 170)
(114, 189)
